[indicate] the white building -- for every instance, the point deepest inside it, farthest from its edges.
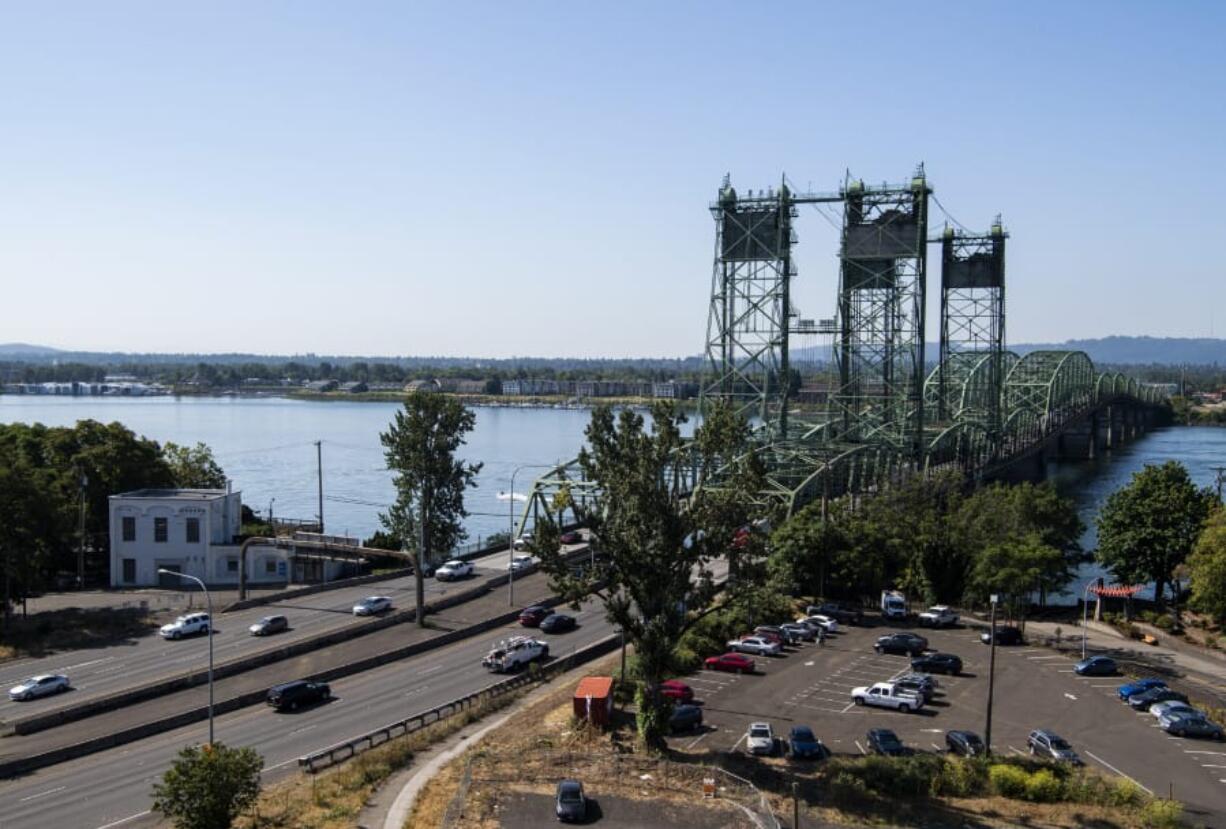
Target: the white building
(192, 531)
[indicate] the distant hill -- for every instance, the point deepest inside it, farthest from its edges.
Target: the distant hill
(1201, 351)
(25, 349)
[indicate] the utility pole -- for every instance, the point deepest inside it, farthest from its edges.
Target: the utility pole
(987, 730)
(82, 483)
(319, 468)
(421, 557)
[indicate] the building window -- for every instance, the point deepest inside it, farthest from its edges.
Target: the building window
(129, 528)
(193, 531)
(232, 565)
(160, 530)
(129, 569)
(270, 566)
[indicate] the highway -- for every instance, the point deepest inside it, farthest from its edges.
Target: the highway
(114, 668)
(112, 788)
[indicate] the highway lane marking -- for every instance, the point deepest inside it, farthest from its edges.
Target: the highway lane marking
(86, 664)
(1117, 771)
(303, 729)
(122, 821)
(431, 669)
(42, 794)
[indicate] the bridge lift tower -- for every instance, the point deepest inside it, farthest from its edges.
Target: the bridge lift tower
(879, 347)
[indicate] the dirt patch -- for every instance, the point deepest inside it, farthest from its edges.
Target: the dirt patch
(56, 631)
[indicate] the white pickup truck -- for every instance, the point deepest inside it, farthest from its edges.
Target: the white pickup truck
(886, 695)
(939, 616)
(514, 653)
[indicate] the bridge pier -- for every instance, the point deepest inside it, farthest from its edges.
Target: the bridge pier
(1077, 441)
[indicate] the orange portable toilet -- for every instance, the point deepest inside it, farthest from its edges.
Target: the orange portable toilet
(594, 700)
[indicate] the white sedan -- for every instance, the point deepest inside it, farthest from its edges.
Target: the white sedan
(754, 644)
(830, 625)
(372, 605)
(521, 563)
(38, 686)
(454, 569)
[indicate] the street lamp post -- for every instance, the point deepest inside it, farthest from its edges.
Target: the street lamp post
(209, 603)
(511, 529)
(1085, 607)
(987, 731)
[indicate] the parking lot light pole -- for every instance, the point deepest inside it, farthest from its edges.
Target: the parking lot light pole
(1085, 607)
(511, 529)
(987, 729)
(208, 603)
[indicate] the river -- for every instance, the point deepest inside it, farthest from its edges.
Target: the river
(266, 445)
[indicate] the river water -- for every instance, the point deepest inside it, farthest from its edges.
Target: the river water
(266, 445)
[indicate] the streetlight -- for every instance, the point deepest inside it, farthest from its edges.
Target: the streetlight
(209, 603)
(987, 731)
(1085, 606)
(511, 529)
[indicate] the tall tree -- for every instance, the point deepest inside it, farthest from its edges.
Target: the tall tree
(657, 547)
(1148, 527)
(208, 786)
(1207, 565)
(420, 449)
(1016, 567)
(193, 467)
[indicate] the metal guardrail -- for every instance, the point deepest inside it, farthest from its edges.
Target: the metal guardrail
(340, 752)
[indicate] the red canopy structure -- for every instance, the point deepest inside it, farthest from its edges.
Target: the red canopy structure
(1118, 591)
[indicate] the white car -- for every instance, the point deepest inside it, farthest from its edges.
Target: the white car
(1173, 707)
(760, 739)
(372, 605)
(754, 644)
(454, 569)
(826, 622)
(514, 653)
(939, 616)
(187, 625)
(523, 542)
(38, 686)
(521, 563)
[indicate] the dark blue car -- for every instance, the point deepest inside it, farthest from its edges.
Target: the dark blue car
(802, 745)
(1096, 666)
(1131, 689)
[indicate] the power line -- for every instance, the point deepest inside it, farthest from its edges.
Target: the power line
(949, 215)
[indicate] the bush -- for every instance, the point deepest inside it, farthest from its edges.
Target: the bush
(1162, 814)
(961, 778)
(1124, 792)
(1164, 622)
(208, 786)
(1044, 787)
(1008, 781)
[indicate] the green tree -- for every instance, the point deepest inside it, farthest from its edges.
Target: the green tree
(420, 449)
(654, 574)
(193, 467)
(1207, 565)
(1015, 568)
(803, 551)
(1148, 527)
(208, 786)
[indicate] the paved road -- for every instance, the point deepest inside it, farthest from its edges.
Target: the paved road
(529, 810)
(111, 789)
(1035, 688)
(113, 668)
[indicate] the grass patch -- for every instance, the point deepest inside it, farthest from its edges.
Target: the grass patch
(74, 628)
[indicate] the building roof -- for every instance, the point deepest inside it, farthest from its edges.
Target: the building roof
(177, 494)
(596, 687)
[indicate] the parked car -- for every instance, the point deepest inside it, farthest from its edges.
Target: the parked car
(964, 743)
(921, 685)
(768, 635)
(186, 625)
(760, 739)
(938, 616)
(1143, 700)
(1051, 746)
(1096, 666)
(372, 605)
(269, 625)
(520, 563)
(558, 623)
(570, 804)
(937, 663)
(523, 542)
(1190, 725)
(685, 718)
(826, 623)
(1131, 689)
(786, 637)
(803, 745)
(1005, 635)
(735, 663)
(885, 742)
(843, 613)
(676, 690)
(887, 695)
(38, 686)
(759, 645)
(293, 695)
(531, 617)
(905, 643)
(454, 569)
(571, 537)
(801, 632)
(1175, 708)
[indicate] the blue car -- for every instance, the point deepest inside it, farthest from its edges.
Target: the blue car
(803, 745)
(1139, 687)
(1096, 666)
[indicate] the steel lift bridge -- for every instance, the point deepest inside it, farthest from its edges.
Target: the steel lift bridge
(876, 411)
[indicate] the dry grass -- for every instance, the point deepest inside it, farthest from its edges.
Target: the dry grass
(74, 628)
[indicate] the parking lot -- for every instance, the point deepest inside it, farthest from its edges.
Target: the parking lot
(1035, 687)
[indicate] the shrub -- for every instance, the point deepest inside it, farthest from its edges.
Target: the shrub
(1165, 623)
(1162, 814)
(1124, 792)
(1008, 781)
(961, 778)
(1044, 787)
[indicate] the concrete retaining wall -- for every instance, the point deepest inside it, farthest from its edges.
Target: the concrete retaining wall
(356, 581)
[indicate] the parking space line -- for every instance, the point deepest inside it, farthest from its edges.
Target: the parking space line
(862, 751)
(1117, 771)
(1015, 751)
(1037, 658)
(697, 739)
(1218, 753)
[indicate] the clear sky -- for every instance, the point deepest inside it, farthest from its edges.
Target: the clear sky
(521, 178)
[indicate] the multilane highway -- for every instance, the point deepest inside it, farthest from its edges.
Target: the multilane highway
(117, 667)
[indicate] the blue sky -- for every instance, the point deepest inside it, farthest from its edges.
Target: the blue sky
(500, 179)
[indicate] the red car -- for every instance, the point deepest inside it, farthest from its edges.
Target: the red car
(531, 617)
(737, 663)
(571, 537)
(676, 690)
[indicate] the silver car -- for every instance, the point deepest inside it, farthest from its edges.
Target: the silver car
(38, 686)
(269, 625)
(1051, 746)
(372, 605)
(760, 739)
